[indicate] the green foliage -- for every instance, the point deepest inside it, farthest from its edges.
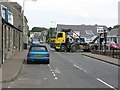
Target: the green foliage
(116, 26)
(38, 29)
(109, 28)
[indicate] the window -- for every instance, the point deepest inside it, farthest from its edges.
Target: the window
(10, 17)
(89, 32)
(54, 35)
(39, 48)
(60, 35)
(4, 12)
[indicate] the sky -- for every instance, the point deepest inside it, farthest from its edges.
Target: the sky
(49, 13)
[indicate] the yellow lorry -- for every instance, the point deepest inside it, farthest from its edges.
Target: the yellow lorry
(61, 42)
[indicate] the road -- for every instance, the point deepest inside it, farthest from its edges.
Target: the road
(67, 70)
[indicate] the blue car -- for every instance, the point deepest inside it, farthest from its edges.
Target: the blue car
(38, 53)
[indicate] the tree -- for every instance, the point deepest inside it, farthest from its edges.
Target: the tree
(116, 26)
(38, 29)
(109, 28)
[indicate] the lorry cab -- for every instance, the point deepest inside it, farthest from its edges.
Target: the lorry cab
(56, 39)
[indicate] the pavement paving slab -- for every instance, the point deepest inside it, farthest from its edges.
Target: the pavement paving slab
(12, 66)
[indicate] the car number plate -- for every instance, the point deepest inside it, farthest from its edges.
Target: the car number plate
(38, 55)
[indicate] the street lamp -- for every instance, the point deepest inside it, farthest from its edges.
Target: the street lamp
(54, 24)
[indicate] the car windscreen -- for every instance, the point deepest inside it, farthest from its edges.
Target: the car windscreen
(38, 49)
(53, 35)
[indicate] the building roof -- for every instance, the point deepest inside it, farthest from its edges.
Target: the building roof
(114, 32)
(85, 30)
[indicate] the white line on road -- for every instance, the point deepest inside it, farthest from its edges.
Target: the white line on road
(10, 85)
(76, 66)
(80, 68)
(106, 84)
(84, 70)
(57, 70)
(55, 77)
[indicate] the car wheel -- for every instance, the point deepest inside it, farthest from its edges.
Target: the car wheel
(57, 50)
(28, 62)
(62, 48)
(73, 48)
(48, 62)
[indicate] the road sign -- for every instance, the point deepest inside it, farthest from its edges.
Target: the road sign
(100, 30)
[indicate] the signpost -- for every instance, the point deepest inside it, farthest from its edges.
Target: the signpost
(99, 31)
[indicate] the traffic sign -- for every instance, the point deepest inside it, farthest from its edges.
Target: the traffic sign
(100, 30)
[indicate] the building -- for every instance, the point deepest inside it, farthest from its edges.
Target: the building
(25, 31)
(89, 32)
(113, 36)
(12, 29)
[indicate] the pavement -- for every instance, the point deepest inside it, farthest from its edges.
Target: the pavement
(103, 58)
(12, 66)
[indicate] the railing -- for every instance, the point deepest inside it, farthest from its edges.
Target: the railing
(115, 53)
(112, 53)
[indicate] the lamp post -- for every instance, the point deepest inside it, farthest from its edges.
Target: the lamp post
(54, 25)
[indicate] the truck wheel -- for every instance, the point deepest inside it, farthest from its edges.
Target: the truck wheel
(62, 48)
(73, 48)
(57, 50)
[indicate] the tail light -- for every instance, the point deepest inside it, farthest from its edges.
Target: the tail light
(28, 54)
(47, 55)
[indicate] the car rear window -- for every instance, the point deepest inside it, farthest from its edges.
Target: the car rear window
(38, 48)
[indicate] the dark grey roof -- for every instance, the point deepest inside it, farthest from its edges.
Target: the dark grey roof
(81, 28)
(114, 32)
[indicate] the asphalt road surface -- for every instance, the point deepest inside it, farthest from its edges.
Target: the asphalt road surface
(67, 70)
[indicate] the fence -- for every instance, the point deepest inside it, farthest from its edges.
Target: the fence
(112, 53)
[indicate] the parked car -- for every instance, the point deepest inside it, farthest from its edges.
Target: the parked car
(113, 45)
(38, 53)
(35, 43)
(41, 42)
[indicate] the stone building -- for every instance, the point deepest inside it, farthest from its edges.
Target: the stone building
(11, 29)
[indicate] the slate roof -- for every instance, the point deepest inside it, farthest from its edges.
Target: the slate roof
(81, 28)
(115, 32)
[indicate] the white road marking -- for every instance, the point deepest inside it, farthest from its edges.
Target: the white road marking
(57, 70)
(84, 70)
(106, 84)
(44, 78)
(10, 84)
(80, 68)
(55, 77)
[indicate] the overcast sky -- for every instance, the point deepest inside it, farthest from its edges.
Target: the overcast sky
(49, 13)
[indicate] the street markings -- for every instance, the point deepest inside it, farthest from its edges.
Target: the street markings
(56, 70)
(106, 83)
(55, 77)
(80, 68)
(10, 84)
